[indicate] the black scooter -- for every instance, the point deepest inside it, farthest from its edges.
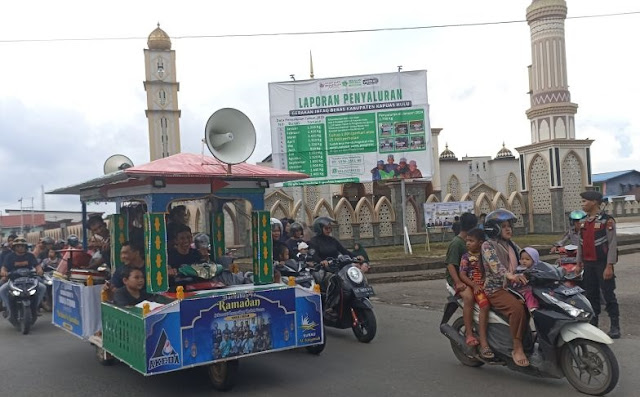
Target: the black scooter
(345, 297)
(565, 344)
(23, 284)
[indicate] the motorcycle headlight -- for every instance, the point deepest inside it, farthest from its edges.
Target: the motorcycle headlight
(571, 310)
(32, 292)
(355, 275)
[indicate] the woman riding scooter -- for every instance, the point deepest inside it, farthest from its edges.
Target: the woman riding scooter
(500, 257)
(326, 246)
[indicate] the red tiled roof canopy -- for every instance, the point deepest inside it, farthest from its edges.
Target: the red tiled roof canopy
(195, 165)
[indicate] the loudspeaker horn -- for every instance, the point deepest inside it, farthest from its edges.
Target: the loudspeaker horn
(117, 162)
(230, 136)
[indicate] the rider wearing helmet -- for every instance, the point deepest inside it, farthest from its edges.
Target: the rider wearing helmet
(572, 236)
(41, 251)
(17, 259)
(500, 256)
(325, 246)
(296, 232)
(73, 241)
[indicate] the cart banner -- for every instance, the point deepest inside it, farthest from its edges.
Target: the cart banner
(238, 324)
(163, 349)
(308, 318)
(118, 234)
(443, 214)
(217, 236)
(262, 247)
(352, 129)
(76, 308)
(155, 241)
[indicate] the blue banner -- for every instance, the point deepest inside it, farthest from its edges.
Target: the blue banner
(67, 307)
(238, 324)
(308, 318)
(163, 340)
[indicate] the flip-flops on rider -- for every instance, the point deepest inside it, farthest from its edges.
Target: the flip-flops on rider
(520, 363)
(486, 353)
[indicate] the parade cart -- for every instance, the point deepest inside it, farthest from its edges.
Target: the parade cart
(184, 329)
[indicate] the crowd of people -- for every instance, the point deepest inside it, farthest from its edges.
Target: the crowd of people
(485, 265)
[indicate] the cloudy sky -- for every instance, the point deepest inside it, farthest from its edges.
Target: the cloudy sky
(65, 106)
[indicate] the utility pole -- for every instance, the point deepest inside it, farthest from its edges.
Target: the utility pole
(21, 217)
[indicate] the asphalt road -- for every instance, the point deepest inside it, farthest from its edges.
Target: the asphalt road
(409, 357)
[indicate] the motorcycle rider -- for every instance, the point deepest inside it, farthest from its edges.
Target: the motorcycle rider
(500, 257)
(19, 258)
(202, 244)
(8, 249)
(326, 246)
(597, 254)
(572, 236)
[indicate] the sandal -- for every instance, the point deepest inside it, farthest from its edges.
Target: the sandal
(520, 363)
(471, 341)
(487, 353)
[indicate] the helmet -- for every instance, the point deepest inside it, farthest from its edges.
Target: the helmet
(577, 215)
(73, 240)
(296, 227)
(320, 223)
(494, 219)
(201, 240)
(48, 240)
(275, 222)
(19, 241)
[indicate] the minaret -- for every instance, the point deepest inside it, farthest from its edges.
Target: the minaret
(556, 166)
(162, 96)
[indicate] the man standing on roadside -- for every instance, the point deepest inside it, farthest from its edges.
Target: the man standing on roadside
(597, 254)
(457, 248)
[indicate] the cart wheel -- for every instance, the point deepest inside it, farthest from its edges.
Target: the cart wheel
(316, 349)
(223, 375)
(103, 357)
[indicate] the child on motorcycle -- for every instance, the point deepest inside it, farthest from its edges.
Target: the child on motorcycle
(472, 274)
(528, 259)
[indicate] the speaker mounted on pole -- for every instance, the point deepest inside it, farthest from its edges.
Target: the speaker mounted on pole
(230, 136)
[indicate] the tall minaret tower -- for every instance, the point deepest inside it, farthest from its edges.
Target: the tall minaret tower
(556, 166)
(162, 96)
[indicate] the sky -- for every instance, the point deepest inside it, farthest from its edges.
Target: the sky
(66, 106)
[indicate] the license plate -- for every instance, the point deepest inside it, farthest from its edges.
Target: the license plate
(360, 292)
(569, 291)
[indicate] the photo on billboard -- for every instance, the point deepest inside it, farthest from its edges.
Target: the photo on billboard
(352, 129)
(443, 214)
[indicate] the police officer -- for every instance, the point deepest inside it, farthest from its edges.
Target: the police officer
(597, 254)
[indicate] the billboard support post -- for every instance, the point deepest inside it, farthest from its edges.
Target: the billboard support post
(403, 193)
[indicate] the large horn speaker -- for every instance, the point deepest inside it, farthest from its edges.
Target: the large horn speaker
(117, 162)
(230, 136)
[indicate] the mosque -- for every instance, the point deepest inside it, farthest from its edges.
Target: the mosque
(540, 183)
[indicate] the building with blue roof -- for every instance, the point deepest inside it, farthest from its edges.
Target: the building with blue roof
(617, 183)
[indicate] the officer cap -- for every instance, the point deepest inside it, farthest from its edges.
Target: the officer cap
(592, 195)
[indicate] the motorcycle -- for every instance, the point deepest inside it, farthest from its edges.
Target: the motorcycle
(564, 343)
(23, 284)
(345, 297)
(47, 280)
(569, 263)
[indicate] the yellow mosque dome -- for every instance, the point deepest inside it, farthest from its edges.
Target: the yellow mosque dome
(159, 40)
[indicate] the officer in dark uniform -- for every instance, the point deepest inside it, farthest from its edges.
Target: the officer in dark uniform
(597, 254)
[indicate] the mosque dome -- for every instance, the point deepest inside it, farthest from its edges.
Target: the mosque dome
(504, 153)
(448, 154)
(159, 40)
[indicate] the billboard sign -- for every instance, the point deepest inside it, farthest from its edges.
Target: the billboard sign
(352, 129)
(443, 214)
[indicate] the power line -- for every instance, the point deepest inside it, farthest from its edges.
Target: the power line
(309, 33)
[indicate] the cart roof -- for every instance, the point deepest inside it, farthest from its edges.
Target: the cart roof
(185, 165)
